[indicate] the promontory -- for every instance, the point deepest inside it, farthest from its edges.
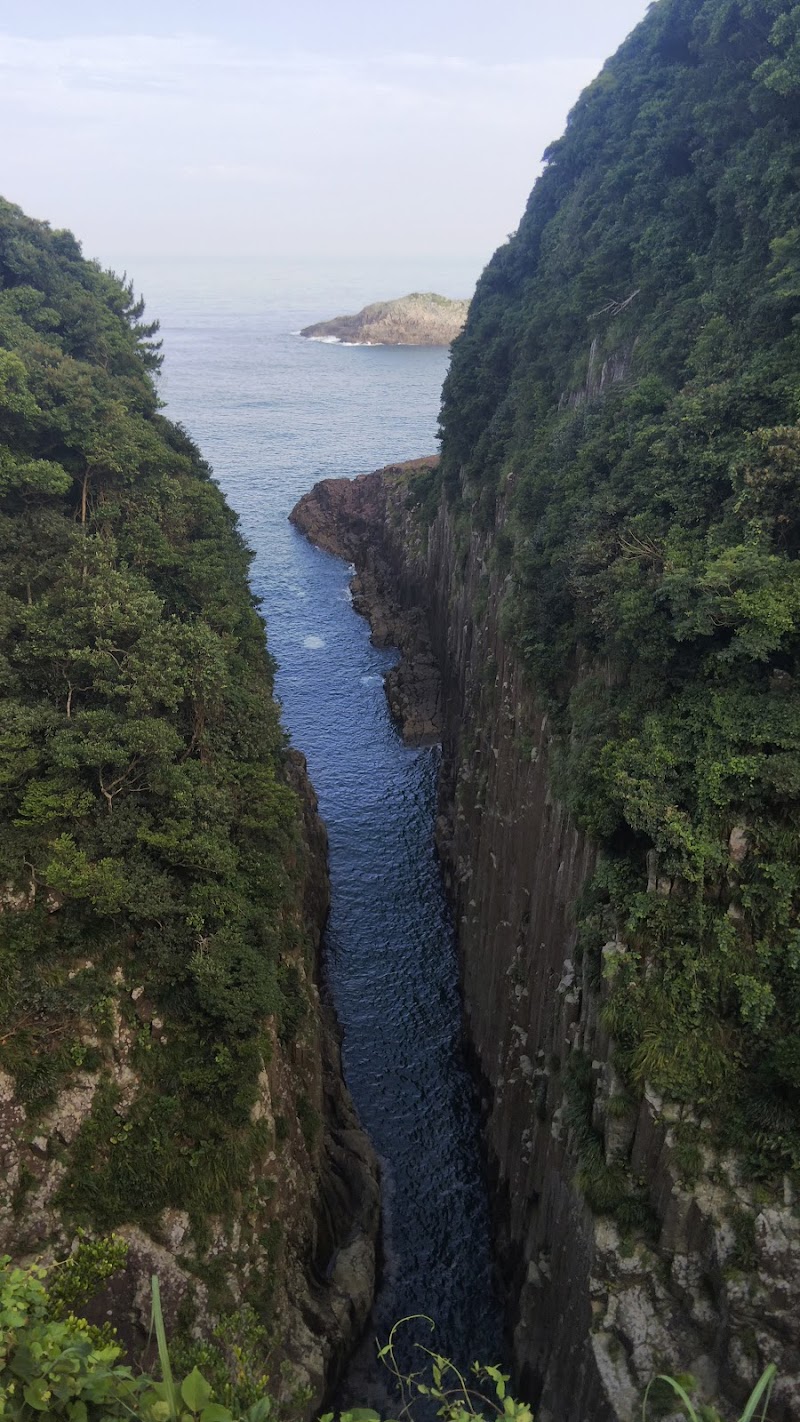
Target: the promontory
(420, 319)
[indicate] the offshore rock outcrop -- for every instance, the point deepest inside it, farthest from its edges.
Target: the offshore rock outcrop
(305, 1236)
(421, 319)
(712, 1286)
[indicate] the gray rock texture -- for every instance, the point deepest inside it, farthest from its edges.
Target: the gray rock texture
(341, 515)
(420, 319)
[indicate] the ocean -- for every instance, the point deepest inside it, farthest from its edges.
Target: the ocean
(273, 413)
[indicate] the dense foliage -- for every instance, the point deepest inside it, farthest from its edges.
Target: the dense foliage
(148, 837)
(53, 1364)
(628, 387)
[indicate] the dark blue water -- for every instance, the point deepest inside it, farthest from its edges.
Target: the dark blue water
(273, 414)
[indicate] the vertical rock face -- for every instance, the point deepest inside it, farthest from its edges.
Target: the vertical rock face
(329, 1287)
(342, 516)
(703, 1279)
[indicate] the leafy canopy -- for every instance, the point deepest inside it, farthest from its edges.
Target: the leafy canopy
(148, 835)
(628, 383)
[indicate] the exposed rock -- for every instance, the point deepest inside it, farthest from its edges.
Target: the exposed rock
(322, 1206)
(340, 516)
(72, 1107)
(15, 900)
(421, 319)
(594, 1315)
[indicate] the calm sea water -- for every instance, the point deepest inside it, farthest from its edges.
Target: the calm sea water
(273, 414)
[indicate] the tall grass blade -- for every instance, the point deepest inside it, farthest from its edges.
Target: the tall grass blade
(676, 1387)
(157, 1322)
(763, 1388)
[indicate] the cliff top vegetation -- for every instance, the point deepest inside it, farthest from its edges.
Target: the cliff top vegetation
(623, 405)
(148, 837)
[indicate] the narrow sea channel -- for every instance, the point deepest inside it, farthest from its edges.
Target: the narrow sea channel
(273, 414)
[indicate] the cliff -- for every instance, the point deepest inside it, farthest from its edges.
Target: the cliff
(617, 1262)
(341, 516)
(167, 1069)
(608, 560)
(298, 1248)
(421, 319)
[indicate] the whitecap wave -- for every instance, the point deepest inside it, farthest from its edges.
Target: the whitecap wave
(336, 340)
(313, 643)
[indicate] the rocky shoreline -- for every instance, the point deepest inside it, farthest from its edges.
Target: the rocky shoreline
(340, 516)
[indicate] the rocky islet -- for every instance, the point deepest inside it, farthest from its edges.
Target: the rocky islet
(420, 319)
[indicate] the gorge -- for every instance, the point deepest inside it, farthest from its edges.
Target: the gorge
(596, 598)
(615, 1265)
(604, 568)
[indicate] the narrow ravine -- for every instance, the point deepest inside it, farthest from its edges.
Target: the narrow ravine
(274, 414)
(391, 965)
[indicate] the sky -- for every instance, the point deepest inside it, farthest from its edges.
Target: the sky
(313, 129)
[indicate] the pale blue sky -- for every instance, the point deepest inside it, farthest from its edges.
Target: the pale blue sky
(308, 128)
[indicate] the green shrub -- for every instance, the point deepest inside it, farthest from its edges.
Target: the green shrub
(56, 1367)
(147, 830)
(627, 382)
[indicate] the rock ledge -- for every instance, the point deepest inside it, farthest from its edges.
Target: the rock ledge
(341, 516)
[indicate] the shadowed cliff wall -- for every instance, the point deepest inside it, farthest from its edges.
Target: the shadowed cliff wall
(597, 1306)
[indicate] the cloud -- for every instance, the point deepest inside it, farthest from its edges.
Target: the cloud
(136, 134)
(184, 64)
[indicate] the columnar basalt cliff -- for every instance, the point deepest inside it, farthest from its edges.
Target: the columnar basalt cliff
(612, 581)
(701, 1278)
(609, 562)
(342, 516)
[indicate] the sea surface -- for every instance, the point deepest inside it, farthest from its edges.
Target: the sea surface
(273, 413)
